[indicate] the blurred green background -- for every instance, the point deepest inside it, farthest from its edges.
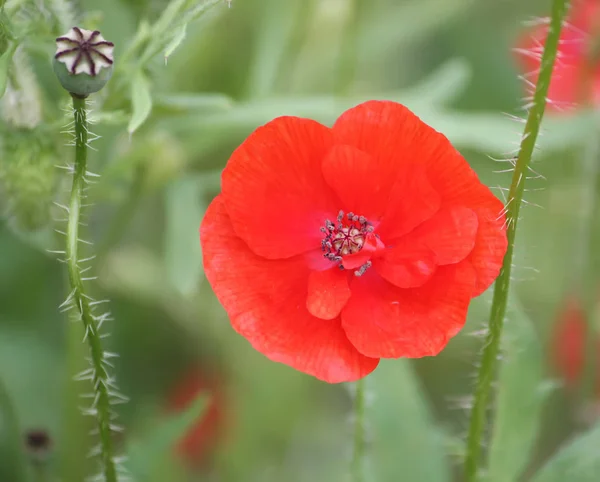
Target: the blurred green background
(448, 60)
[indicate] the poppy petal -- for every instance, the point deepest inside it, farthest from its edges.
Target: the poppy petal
(406, 265)
(266, 303)
(490, 247)
(373, 128)
(450, 234)
(328, 293)
(382, 320)
(412, 202)
(363, 183)
(274, 190)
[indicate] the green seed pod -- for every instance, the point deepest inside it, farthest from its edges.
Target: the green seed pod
(83, 61)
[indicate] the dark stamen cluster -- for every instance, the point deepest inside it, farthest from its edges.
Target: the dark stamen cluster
(346, 237)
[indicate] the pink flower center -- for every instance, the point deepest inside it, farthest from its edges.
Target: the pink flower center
(347, 237)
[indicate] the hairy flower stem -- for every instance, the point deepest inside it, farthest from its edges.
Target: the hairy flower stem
(81, 301)
(513, 205)
(359, 432)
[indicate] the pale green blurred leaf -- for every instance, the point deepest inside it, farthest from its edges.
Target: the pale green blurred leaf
(178, 37)
(409, 21)
(184, 209)
(141, 101)
(166, 33)
(192, 102)
(405, 439)
(444, 84)
(145, 455)
(492, 133)
(275, 22)
(5, 61)
(520, 396)
(578, 461)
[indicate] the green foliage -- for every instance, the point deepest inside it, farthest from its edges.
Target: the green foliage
(141, 101)
(184, 206)
(145, 456)
(13, 460)
(228, 73)
(578, 460)
(405, 438)
(5, 61)
(27, 176)
(519, 400)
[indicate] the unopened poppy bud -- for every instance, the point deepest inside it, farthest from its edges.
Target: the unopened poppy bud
(83, 61)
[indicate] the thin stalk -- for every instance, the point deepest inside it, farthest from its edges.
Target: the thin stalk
(81, 301)
(359, 433)
(513, 205)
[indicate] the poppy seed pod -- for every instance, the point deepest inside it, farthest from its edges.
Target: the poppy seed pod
(83, 61)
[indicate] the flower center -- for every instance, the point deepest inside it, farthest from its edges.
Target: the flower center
(345, 238)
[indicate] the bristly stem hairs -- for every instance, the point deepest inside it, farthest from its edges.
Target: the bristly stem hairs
(83, 63)
(513, 204)
(97, 374)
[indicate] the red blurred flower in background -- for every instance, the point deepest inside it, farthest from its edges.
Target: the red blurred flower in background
(569, 344)
(202, 438)
(576, 75)
(331, 248)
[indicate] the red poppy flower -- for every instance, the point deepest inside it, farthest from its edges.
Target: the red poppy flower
(574, 80)
(202, 437)
(331, 248)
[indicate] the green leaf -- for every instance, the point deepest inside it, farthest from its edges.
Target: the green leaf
(444, 84)
(5, 61)
(184, 208)
(404, 23)
(577, 461)
(178, 37)
(192, 102)
(13, 462)
(141, 101)
(405, 440)
(144, 456)
(521, 394)
(276, 21)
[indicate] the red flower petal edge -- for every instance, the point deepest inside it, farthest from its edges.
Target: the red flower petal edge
(330, 248)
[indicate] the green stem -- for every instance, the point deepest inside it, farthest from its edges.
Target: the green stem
(513, 205)
(359, 433)
(81, 301)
